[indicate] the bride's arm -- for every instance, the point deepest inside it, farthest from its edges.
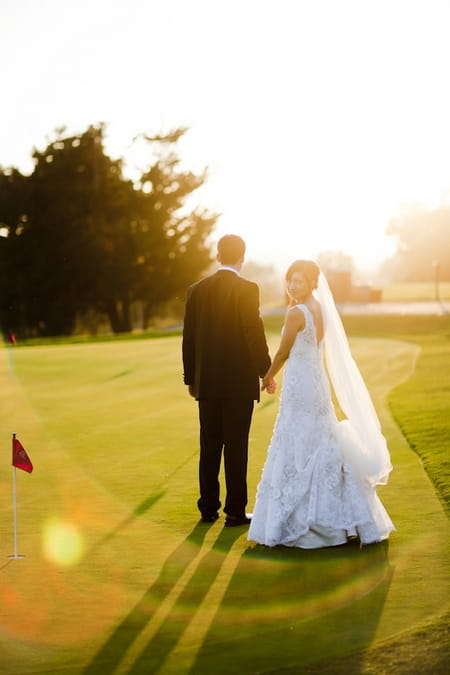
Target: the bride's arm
(295, 321)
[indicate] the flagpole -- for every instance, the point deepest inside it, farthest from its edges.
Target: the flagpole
(15, 556)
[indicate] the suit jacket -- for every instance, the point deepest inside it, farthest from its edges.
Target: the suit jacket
(224, 347)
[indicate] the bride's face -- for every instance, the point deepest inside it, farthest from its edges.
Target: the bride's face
(298, 287)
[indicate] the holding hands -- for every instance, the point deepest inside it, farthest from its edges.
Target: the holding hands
(269, 384)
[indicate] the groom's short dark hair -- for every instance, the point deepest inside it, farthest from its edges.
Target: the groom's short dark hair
(231, 248)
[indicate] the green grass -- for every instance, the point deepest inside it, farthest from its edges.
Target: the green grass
(119, 577)
(105, 337)
(421, 406)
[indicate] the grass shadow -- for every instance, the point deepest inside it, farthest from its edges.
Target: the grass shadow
(287, 609)
(123, 373)
(139, 511)
(161, 645)
(266, 403)
(111, 653)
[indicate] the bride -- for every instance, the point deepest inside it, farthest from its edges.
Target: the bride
(318, 485)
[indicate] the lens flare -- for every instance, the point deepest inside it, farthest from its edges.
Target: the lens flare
(62, 542)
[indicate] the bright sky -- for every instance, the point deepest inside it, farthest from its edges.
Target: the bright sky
(318, 119)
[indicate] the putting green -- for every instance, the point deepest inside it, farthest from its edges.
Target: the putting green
(118, 576)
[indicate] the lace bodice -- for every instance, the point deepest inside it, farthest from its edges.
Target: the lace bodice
(305, 386)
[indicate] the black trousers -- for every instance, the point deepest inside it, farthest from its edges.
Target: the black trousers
(224, 426)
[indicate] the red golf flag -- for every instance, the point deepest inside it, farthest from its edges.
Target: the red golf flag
(20, 458)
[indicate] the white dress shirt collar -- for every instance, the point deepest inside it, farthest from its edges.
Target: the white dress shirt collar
(231, 269)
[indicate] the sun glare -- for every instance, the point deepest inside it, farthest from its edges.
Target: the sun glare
(62, 543)
(316, 126)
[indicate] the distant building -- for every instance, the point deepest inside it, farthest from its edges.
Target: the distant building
(340, 282)
(344, 290)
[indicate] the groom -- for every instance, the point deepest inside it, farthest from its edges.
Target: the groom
(224, 354)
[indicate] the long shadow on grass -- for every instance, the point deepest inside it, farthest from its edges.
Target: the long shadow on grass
(141, 508)
(288, 609)
(188, 602)
(139, 511)
(158, 648)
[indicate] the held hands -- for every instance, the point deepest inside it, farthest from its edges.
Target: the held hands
(269, 385)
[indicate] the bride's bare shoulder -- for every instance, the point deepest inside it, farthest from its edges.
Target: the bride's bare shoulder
(295, 315)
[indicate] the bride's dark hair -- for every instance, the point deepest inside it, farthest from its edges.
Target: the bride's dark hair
(308, 268)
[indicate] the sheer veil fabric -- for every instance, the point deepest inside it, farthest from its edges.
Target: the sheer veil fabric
(363, 443)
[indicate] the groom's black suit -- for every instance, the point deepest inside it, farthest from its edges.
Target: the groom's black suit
(224, 354)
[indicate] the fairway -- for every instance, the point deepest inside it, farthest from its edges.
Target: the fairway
(118, 574)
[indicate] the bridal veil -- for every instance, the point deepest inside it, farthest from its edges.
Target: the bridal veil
(364, 445)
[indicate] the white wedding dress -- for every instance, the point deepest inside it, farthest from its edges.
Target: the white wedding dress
(309, 496)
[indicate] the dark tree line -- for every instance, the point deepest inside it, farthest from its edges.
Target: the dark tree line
(79, 237)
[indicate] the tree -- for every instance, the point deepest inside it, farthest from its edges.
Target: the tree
(422, 238)
(172, 253)
(82, 236)
(13, 193)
